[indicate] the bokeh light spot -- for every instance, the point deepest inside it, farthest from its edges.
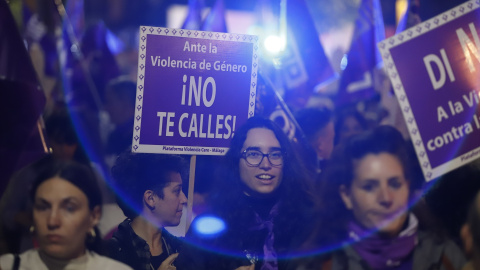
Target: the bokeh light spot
(209, 225)
(274, 44)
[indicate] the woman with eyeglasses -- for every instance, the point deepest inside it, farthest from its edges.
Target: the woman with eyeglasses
(262, 207)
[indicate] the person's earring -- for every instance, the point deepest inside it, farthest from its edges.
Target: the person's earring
(91, 236)
(92, 233)
(32, 229)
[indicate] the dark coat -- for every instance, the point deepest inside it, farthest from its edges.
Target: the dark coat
(431, 253)
(237, 245)
(127, 247)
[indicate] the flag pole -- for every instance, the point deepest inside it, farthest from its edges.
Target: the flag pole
(283, 105)
(191, 186)
(41, 128)
(78, 53)
(299, 138)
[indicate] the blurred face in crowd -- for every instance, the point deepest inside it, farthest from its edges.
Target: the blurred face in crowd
(323, 141)
(119, 108)
(379, 193)
(168, 210)
(349, 127)
(62, 218)
(63, 150)
(265, 177)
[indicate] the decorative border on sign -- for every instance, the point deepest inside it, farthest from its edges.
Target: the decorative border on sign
(162, 31)
(181, 150)
(391, 69)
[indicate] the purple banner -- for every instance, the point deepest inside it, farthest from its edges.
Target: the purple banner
(195, 89)
(434, 68)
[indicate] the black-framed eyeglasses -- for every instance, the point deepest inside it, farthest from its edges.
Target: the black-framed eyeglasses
(255, 157)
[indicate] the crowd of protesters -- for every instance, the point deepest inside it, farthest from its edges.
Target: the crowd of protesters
(367, 208)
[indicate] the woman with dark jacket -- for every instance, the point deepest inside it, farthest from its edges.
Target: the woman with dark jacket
(150, 193)
(367, 191)
(262, 210)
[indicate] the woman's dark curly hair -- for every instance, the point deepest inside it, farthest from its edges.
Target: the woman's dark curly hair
(340, 171)
(295, 190)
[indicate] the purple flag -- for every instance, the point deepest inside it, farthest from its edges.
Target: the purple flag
(215, 20)
(76, 16)
(306, 61)
(68, 47)
(305, 65)
(72, 31)
(357, 81)
(86, 60)
(103, 66)
(86, 66)
(411, 17)
(21, 101)
(194, 16)
(270, 104)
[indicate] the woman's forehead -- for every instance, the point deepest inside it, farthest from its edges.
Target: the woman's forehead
(378, 165)
(58, 188)
(261, 138)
